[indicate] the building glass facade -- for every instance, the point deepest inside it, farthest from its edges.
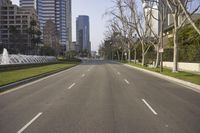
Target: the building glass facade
(57, 11)
(83, 33)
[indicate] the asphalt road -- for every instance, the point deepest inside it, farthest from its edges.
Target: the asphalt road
(100, 97)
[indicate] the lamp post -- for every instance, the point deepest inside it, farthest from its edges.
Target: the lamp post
(161, 21)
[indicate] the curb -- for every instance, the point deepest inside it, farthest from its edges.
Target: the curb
(183, 83)
(31, 79)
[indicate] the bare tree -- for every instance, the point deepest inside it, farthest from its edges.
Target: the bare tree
(177, 14)
(161, 9)
(137, 23)
(114, 33)
(121, 16)
(188, 15)
(129, 20)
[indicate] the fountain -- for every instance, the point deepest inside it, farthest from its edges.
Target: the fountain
(6, 59)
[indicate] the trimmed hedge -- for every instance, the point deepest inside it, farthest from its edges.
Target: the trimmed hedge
(11, 67)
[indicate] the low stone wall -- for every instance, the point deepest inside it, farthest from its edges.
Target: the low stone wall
(195, 67)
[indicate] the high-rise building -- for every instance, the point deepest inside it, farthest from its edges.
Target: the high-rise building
(46, 11)
(27, 3)
(83, 33)
(59, 11)
(69, 25)
(5, 2)
(14, 25)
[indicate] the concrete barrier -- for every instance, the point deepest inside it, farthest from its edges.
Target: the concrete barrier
(194, 67)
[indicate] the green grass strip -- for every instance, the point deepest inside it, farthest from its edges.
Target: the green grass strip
(8, 77)
(190, 77)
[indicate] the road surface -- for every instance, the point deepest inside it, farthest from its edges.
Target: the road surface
(100, 97)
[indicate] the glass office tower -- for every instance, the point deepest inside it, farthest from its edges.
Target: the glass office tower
(83, 33)
(57, 11)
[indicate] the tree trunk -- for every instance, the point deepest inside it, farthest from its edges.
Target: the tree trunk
(157, 57)
(175, 57)
(118, 57)
(143, 59)
(112, 55)
(135, 55)
(143, 54)
(129, 53)
(122, 56)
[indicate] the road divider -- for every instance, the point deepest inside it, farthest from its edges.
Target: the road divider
(83, 75)
(90, 68)
(126, 81)
(30, 122)
(71, 86)
(146, 103)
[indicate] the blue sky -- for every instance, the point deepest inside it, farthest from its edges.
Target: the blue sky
(94, 9)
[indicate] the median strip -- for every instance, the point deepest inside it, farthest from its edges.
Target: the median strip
(14, 78)
(30, 122)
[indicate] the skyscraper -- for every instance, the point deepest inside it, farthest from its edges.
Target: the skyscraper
(27, 3)
(83, 33)
(58, 11)
(5, 2)
(69, 25)
(45, 11)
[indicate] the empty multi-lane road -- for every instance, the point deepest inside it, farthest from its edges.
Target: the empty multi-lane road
(100, 97)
